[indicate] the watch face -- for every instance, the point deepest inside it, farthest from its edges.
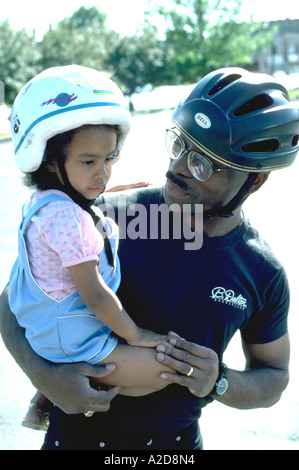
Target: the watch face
(221, 386)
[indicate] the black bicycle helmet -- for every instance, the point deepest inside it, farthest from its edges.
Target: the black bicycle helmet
(242, 120)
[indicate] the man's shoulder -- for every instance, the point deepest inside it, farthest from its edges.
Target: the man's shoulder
(260, 251)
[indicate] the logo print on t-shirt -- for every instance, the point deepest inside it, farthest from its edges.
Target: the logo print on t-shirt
(220, 294)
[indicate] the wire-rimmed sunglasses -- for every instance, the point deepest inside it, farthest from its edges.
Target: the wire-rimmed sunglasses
(198, 163)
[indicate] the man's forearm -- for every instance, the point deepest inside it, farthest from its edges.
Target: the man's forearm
(258, 386)
(15, 341)
(254, 388)
(66, 385)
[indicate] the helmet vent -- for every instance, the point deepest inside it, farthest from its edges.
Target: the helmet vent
(264, 146)
(295, 141)
(223, 83)
(258, 102)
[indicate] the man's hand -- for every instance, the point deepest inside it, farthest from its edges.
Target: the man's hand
(66, 385)
(199, 362)
(69, 387)
(260, 385)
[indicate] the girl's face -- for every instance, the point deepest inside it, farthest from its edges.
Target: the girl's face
(90, 155)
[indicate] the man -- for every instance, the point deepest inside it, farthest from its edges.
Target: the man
(233, 129)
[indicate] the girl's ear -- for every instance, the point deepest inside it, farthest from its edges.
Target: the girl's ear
(52, 167)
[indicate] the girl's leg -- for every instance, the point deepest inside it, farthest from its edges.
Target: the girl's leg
(137, 370)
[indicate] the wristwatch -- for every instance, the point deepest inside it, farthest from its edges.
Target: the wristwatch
(221, 383)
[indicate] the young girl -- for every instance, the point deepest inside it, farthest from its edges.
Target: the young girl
(68, 127)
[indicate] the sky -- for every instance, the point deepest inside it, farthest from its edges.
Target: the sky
(122, 15)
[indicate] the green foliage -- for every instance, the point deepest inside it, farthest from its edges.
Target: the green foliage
(174, 46)
(138, 60)
(85, 17)
(19, 56)
(207, 34)
(81, 39)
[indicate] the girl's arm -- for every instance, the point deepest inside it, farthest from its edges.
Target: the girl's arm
(106, 306)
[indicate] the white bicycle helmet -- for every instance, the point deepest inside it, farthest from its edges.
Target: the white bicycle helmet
(60, 99)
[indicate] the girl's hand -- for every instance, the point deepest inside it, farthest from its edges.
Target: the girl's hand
(125, 187)
(147, 338)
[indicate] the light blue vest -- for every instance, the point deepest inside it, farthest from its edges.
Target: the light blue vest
(65, 330)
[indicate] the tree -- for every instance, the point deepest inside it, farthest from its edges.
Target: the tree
(85, 17)
(19, 56)
(202, 35)
(138, 60)
(175, 45)
(83, 39)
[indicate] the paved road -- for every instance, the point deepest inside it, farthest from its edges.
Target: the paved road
(273, 210)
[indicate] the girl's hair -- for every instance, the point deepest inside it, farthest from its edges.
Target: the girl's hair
(56, 150)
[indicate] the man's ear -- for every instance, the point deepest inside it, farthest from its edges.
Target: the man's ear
(258, 183)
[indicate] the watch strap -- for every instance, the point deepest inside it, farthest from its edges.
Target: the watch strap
(223, 371)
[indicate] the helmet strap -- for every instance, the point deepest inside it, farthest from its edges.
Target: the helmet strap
(85, 204)
(227, 211)
(70, 190)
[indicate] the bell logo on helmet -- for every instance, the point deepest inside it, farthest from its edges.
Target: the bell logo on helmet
(202, 120)
(63, 99)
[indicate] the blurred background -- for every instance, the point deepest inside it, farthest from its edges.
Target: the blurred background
(156, 52)
(145, 44)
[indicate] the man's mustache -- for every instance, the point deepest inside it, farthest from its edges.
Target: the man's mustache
(174, 179)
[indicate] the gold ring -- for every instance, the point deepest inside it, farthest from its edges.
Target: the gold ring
(88, 414)
(190, 371)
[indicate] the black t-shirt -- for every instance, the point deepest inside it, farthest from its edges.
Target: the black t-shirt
(232, 283)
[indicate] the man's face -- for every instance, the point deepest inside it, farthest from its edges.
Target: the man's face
(182, 188)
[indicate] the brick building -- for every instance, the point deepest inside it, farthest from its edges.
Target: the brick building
(282, 53)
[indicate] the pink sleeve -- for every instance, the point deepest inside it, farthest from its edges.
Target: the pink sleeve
(72, 234)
